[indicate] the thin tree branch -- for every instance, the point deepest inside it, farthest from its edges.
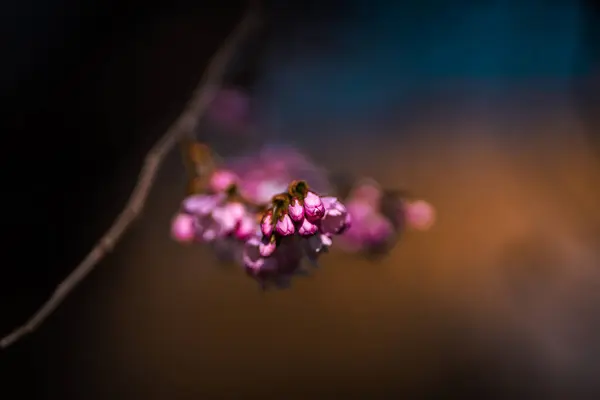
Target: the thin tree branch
(184, 125)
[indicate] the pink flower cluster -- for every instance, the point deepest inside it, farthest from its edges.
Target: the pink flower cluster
(299, 217)
(217, 215)
(296, 224)
(269, 172)
(253, 215)
(376, 228)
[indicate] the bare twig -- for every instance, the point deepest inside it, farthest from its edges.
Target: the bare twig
(184, 125)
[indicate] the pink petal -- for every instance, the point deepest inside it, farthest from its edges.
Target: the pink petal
(183, 228)
(229, 216)
(247, 227)
(307, 228)
(251, 255)
(201, 204)
(334, 221)
(332, 203)
(267, 249)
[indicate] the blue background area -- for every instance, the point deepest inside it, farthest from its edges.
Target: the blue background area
(376, 53)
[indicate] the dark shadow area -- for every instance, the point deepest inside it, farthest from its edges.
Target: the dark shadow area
(90, 86)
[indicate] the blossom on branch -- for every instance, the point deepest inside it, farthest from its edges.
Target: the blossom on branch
(260, 215)
(268, 172)
(376, 227)
(214, 216)
(284, 241)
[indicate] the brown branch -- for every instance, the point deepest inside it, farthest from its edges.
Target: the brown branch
(184, 125)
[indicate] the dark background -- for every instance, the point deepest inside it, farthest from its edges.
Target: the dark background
(89, 86)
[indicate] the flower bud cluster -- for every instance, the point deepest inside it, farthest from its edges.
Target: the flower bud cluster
(377, 225)
(299, 213)
(271, 240)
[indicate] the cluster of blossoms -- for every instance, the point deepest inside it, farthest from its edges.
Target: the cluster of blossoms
(216, 215)
(299, 218)
(253, 215)
(379, 217)
(272, 238)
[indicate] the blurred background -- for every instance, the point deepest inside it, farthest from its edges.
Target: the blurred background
(490, 110)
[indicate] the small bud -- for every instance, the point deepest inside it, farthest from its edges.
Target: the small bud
(183, 228)
(313, 207)
(251, 255)
(267, 249)
(285, 226)
(246, 227)
(307, 228)
(266, 224)
(296, 211)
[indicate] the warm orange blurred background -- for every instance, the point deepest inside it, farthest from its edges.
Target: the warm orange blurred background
(503, 288)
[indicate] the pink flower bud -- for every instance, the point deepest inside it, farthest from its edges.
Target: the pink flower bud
(313, 207)
(222, 179)
(251, 255)
(229, 216)
(285, 226)
(307, 228)
(296, 211)
(183, 228)
(266, 225)
(267, 249)
(246, 227)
